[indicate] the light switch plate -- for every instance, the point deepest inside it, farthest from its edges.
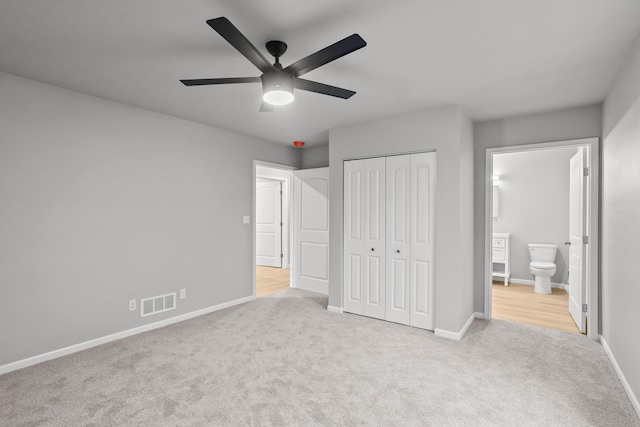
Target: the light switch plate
(246, 219)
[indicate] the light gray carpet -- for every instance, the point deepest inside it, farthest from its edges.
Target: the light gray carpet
(285, 360)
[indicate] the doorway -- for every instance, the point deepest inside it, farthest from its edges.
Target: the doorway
(272, 228)
(520, 217)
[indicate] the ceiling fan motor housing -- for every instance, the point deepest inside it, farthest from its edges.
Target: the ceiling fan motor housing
(276, 48)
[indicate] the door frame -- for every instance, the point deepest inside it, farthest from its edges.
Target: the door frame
(289, 208)
(592, 275)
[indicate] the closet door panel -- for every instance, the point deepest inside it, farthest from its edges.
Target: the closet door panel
(398, 234)
(375, 194)
(423, 173)
(374, 218)
(374, 294)
(421, 274)
(353, 236)
(353, 269)
(399, 295)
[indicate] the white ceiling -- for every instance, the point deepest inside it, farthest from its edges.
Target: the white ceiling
(496, 58)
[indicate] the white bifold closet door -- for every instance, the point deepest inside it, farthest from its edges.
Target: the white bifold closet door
(388, 238)
(364, 218)
(398, 260)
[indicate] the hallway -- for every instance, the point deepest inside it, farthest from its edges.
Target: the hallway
(270, 280)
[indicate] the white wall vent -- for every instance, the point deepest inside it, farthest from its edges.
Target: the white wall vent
(158, 304)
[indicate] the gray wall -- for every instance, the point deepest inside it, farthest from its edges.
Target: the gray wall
(102, 203)
(448, 131)
(583, 122)
(314, 157)
(534, 205)
(621, 221)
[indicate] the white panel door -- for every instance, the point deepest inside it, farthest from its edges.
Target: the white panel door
(364, 235)
(269, 223)
(374, 238)
(311, 230)
(353, 236)
(577, 260)
(398, 171)
(423, 174)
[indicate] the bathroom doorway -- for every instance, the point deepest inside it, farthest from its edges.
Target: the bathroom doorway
(528, 215)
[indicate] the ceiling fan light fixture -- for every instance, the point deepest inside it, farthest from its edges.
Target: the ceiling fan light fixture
(278, 97)
(277, 88)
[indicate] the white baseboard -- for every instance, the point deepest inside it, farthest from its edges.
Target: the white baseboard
(623, 379)
(531, 282)
(457, 336)
(317, 288)
(13, 366)
(482, 316)
(333, 309)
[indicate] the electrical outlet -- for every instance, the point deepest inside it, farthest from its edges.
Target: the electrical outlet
(183, 293)
(132, 304)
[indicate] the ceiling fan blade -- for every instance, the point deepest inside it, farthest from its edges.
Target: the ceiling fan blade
(231, 34)
(265, 107)
(322, 88)
(201, 82)
(326, 55)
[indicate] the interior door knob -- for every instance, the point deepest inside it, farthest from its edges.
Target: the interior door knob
(373, 250)
(397, 250)
(567, 243)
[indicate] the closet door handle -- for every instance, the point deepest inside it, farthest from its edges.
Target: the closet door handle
(373, 250)
(397, 250)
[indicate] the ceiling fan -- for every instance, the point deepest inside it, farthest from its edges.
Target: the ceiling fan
(278, 82)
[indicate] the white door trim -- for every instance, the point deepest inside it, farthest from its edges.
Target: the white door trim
(591, 276)
(289, 208)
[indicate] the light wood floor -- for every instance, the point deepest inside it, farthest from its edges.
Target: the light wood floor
(518, 303)
(270, 280)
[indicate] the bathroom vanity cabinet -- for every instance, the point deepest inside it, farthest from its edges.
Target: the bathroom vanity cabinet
(500, 255)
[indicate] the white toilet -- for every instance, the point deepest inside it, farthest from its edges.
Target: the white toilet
(542, 265)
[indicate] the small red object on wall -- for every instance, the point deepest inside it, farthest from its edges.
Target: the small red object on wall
(298, 143)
